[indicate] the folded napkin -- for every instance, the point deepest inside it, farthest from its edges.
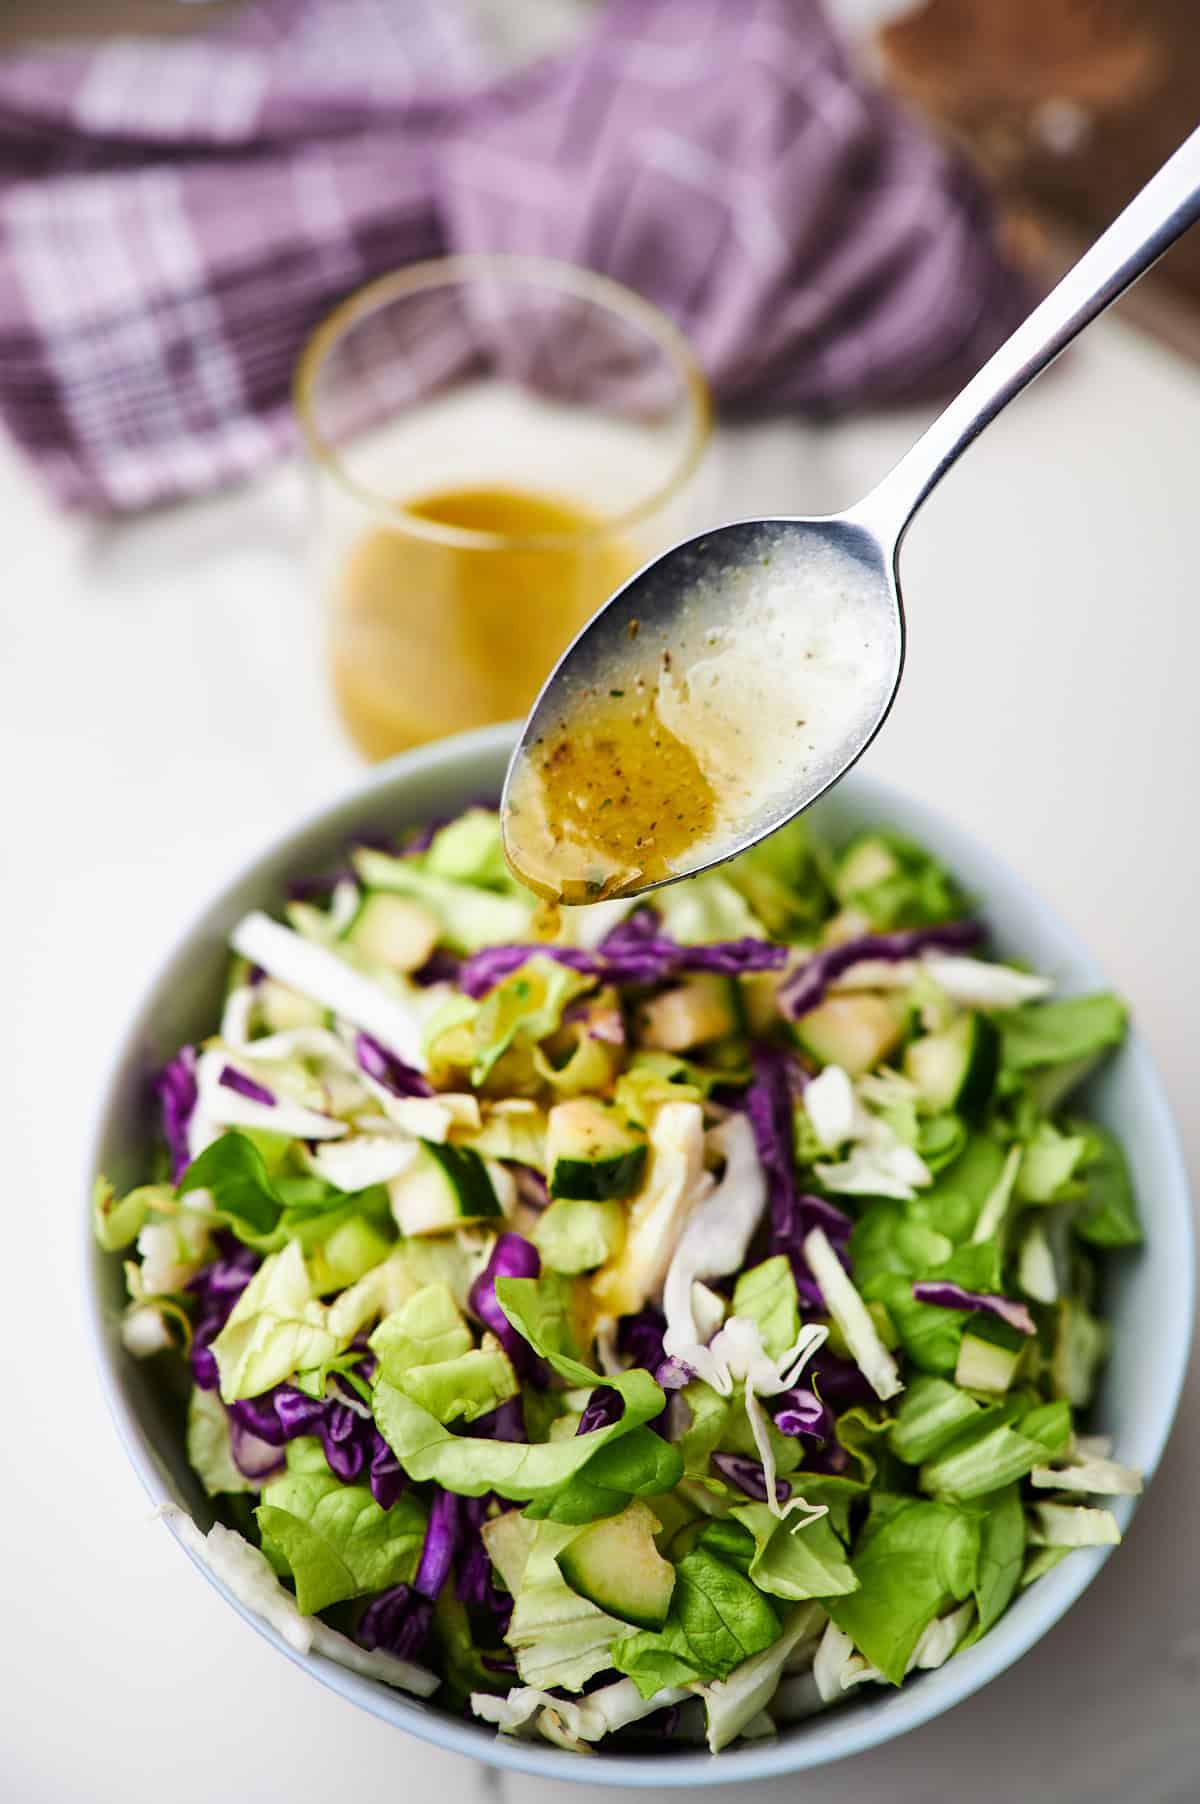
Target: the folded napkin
(176, 217)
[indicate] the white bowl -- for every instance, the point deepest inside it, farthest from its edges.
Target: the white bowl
(1149, 1298)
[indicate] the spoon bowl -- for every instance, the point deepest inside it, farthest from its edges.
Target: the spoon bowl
(662, 622)
(733, 681)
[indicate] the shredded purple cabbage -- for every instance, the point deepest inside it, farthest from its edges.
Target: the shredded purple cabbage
(442, 966)
(442, 1540)
(475, 1578)
(831, 1460)
(634, 952)
(175, 1087)
(640, 1337)
(747, 1474)
(953, 1296)
(397, 1622)
(246, 1086)
(802, 1412)
(388, 1070)
(838, 1381)
(532, 1189)
(506, 1423)
(768, 1103)
(819, 1212)
(806, 986)
(341, 1421)
(512, 1257)
(217, 1288)
(604, 1407)
(485, 969)
(319, 888)
(254, 1458)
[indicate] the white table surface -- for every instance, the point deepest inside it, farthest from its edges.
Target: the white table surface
(162, 711)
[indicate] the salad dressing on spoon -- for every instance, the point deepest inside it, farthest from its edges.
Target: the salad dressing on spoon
(704, 712)
(734, 680)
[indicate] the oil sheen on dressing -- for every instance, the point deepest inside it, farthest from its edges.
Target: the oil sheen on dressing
(692, 732)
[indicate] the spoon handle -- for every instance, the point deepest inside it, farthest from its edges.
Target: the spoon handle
(1149, 225)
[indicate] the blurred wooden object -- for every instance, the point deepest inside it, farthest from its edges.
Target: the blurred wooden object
(27, 21)
(1068, 106)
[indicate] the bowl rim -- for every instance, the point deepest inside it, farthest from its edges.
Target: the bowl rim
(823, 1739)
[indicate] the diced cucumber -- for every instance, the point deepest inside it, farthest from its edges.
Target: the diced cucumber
(593, 1151)
(616, 1566)
(394, 931)
(574, 1235)
(444, 1187)
(955, 1069)
(283, 1009)
(988, 1355)
(702, 1008)
(855, 1032)
(863, 864)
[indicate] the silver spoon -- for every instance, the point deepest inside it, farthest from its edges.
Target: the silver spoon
(868, 535)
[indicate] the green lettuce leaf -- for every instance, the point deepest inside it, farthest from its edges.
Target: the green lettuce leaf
(932, 1413)
(737, 1436)
(916, 892)
(233, 1169)
(918, 1237)
(1080, 1347)
(1063, 1032)
(1107, 1216)
(428, 1451)
(782, 878)
(767, 1294)
(425, 1329)
(559, 1638)
(929, 1334)
(471, 850)
(914, 1559)
(838, 1494)
(275, 1328)
(1001, 1554)
(208, 1447)
(333, 1539)
(705, 909)
(1048, 1164)
(542, 1473)
(465, 1388)
(863, 1432)
(984, 1461)
(527, 1006)
(117, 1221)
(345, 1244)
(795, 1563)
(541, 1310)
(718, 1618)
(941, 1139)
(640, 1464)
(461, 1662)
(709, 1415)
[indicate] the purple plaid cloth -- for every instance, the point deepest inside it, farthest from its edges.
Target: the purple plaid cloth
(176, 217)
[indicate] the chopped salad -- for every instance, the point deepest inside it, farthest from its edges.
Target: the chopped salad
(649, 1326)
